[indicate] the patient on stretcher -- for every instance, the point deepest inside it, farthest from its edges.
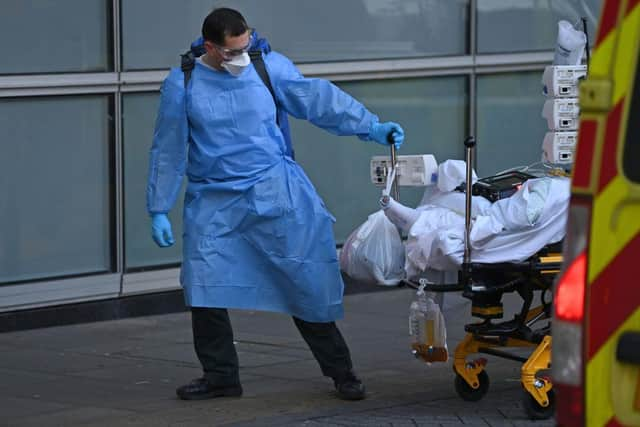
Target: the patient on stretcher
(508, 230)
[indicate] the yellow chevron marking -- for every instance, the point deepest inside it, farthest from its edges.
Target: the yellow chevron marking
(636, 404)
(627, 51)
(603, 56)
(602, 393)
(614, 223)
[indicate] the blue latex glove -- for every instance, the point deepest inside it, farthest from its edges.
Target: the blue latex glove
(379, 133)
(161, 230)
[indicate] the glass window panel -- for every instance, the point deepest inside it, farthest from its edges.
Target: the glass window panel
(309, 31)
(432, 112)
(530, 25)
(139, 114)
(55, 210)
(55, 36)
(510, 126)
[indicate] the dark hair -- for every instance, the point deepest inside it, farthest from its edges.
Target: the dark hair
(223, 22)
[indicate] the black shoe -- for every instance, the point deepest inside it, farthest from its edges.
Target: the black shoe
(349, 387)
(200, 388)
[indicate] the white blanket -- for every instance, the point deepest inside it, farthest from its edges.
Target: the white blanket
(509, 230)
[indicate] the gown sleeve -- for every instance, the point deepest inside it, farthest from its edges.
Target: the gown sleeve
(168, 155)
(317, 100)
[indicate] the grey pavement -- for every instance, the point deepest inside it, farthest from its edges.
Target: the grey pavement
(124, 373)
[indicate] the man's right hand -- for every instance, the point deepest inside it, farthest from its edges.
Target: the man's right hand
(381, 132)
(161, 230)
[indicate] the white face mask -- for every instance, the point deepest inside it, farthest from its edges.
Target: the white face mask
(236, 65)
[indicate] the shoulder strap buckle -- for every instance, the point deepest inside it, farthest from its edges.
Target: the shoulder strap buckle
(255, 55)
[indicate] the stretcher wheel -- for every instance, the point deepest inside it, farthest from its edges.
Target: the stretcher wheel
(468, 393)
(534, 410)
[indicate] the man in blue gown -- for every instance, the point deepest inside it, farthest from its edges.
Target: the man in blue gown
(256, 234)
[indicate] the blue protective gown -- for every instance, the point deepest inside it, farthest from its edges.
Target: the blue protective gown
(256, 233)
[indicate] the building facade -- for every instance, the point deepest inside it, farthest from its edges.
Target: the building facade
(79, 90)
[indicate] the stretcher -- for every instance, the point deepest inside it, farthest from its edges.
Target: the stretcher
(530, 329)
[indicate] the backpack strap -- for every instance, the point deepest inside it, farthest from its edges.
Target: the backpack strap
(187, 64)
(261, 69)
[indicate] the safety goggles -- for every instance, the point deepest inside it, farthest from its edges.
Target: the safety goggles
(230, 53)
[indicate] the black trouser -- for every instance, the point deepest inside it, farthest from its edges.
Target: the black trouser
(213, 341)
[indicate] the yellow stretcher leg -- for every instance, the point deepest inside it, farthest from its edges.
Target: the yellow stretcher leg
(539, 360)
(467, 371)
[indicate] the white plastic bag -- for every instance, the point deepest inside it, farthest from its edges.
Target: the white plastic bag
(374, 252)
(570, 45)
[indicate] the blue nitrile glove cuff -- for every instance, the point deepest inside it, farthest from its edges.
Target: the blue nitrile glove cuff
(379, 132)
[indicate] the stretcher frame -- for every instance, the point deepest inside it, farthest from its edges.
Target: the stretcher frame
(477, 281)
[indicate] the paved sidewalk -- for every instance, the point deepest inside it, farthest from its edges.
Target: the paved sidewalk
(124, 373)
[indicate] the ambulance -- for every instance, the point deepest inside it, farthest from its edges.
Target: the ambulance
(596, 325)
